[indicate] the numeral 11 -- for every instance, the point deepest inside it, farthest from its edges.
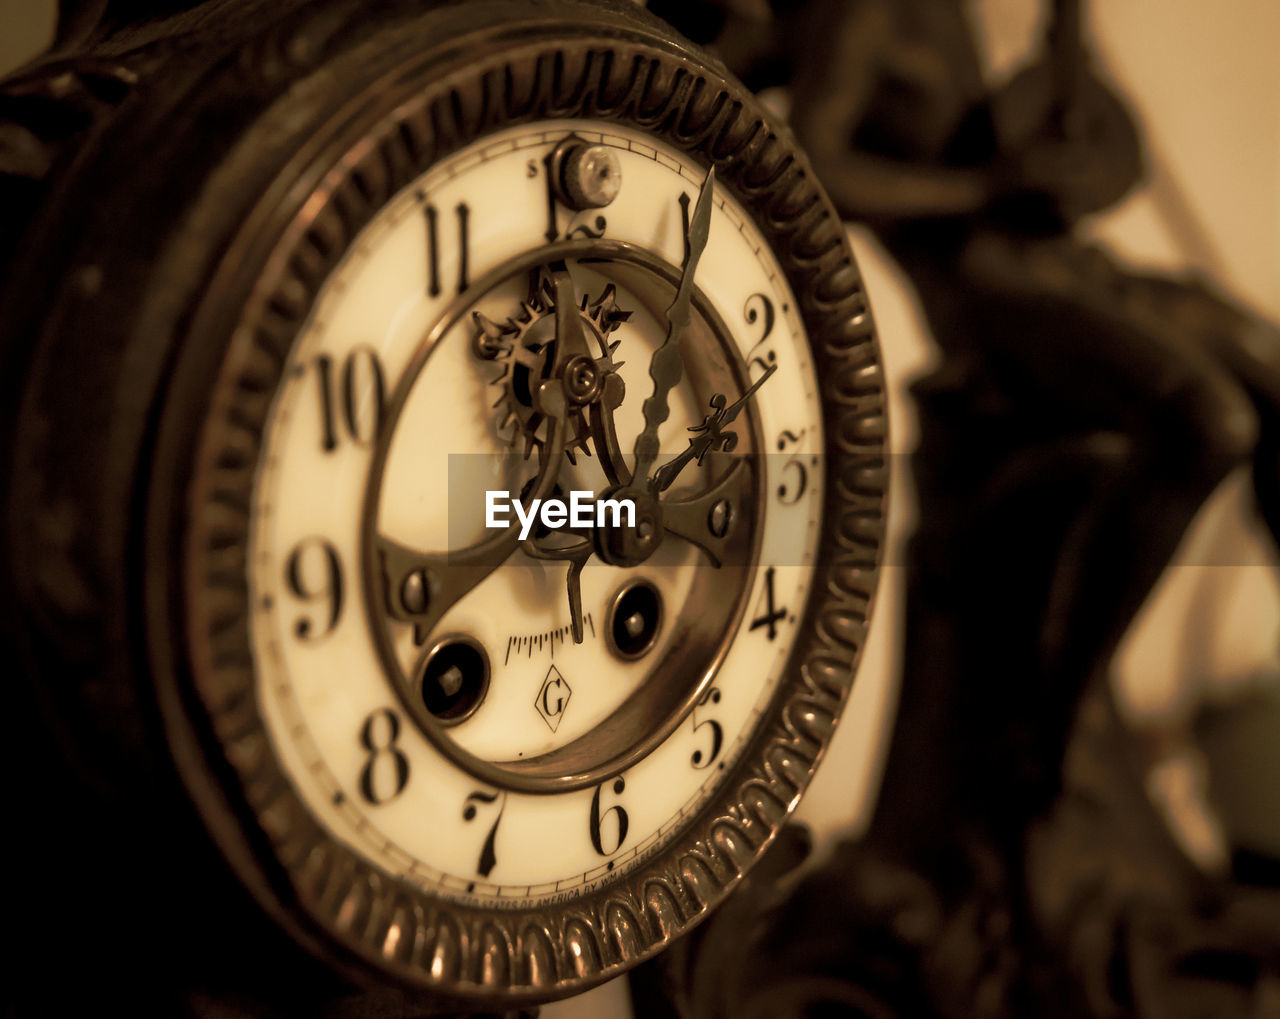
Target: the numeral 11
(463, 214)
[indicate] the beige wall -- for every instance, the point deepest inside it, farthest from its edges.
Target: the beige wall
(1205, 80)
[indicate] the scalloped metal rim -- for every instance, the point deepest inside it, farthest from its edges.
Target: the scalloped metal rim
(530, 954)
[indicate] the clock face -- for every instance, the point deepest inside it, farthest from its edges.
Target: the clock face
(532, 525)
(480, 750)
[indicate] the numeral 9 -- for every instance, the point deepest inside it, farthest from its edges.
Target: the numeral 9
(313, 574)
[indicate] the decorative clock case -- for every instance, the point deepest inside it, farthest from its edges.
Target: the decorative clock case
(297, 296)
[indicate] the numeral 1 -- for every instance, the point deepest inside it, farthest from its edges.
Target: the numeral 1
(684, 220)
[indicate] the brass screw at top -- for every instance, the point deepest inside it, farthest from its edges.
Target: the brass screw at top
(592, 176)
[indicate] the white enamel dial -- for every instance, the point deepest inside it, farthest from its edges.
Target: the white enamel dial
(388, 424)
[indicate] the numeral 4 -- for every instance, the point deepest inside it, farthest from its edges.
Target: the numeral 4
(771, 615)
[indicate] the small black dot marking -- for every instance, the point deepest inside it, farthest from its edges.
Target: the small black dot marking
(722, 765)
(609, 866)
(267, 602)
(471, 886)
(339, 798)
(792, 619)
(786, 307)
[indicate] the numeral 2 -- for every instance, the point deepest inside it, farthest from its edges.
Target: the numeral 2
(756, 356)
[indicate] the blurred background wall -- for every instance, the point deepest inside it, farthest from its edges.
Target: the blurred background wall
(1204, 83)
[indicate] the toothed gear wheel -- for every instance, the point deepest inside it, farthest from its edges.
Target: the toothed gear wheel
(525, 347)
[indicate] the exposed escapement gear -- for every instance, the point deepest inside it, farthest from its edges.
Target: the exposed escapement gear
(525, 345)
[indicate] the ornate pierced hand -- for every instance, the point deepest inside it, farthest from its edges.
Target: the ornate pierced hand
(710, 435)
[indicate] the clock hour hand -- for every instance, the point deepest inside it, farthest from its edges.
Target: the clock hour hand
(712, 520)
(710, 435)
(593, 381)
(605, 435)
(666, 366)
(420, 587)
(570, 341)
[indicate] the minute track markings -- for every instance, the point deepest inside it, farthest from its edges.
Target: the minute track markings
(525, 642)
(659, 833)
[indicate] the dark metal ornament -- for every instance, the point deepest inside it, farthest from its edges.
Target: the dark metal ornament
(192, 182)
(1082, 414)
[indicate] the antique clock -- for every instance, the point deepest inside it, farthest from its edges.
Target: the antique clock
(443, 491)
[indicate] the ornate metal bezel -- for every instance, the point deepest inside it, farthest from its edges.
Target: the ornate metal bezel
(432, 105)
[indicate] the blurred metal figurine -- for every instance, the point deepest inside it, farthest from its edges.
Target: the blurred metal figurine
(1081, 416)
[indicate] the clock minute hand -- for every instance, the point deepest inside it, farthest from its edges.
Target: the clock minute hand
(711, 435)
(667, 366)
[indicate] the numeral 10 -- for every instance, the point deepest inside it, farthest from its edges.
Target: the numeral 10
(352, 400)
